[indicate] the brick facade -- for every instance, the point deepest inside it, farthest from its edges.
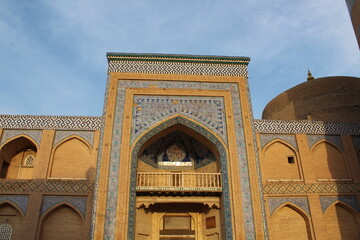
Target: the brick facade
(182, 119)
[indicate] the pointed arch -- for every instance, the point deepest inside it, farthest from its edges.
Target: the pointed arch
(295, 207)
(289, 220)
(267, 145)
(281, 161)
(63, 203)
(329, 159)
(13, 205)
(342, 221)
(201, 131)
(13, 154)
(67, 216)
(344, 205)
(29, 138)
(327, 142)
(71, 158)
(199, 128)
(78, 137)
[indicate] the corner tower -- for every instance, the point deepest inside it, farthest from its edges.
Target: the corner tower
(177, 157)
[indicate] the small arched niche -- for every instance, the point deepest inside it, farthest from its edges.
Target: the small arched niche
(329, 162)
(62, 222)
(289, 222)
(280, 162)
(17, 159)
(71, 159)
(10, 221)
(177, 149)
(342, 222)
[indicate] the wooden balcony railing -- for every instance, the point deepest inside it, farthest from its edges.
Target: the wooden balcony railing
(165, 181)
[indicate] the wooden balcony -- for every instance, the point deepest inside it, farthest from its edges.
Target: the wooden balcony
(178, 182)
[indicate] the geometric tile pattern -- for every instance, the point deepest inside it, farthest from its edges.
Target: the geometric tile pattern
(274, 203)
(312, 139)
(177, 68)
(301, 188)
(62, 186)
(20, 200)
(350, 200)
(86, 135)
(50, 122)
(110, 216)
(266, 138)
(50, 201)
(305, 127)
(33, 134)
(178, 64)
(151, 109)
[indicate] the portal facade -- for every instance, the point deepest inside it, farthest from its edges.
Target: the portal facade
(178, 155)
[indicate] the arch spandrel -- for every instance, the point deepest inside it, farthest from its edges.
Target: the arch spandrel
(185, 124)
(32, 135)
(16, 138)
(207, 111)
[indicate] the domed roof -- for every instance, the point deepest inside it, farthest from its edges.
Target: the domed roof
(325, 99)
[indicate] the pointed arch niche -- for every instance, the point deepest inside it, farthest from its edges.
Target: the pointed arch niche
(62, 221)
(329, 161)
(17, 158)
(71, 159)
(342, 222)
(179, 151)
(281, 161)
(10, 220)
(290, 222)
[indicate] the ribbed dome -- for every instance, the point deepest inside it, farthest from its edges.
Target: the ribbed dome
(325, 99)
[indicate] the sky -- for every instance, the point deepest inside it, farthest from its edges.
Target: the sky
(53, 53)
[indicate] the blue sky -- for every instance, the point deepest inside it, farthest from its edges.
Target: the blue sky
(53, 53)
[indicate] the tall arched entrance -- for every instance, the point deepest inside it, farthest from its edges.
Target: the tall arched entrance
(179, 184)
